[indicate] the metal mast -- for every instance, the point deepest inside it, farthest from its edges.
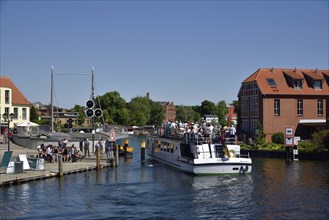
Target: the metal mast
(52, 98)
(92, 85)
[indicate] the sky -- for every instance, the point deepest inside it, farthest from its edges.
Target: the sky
(179, 51)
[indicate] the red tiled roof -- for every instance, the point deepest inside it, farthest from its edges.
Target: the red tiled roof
(316, 75)
(282, 85)
(325, 72)
(17, 97)
(295, 74)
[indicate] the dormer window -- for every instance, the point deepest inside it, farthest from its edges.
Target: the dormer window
(298, 84)
(317, 84)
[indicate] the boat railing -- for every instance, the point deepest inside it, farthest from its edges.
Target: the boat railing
(170, 133)
(190, 138)
(245, 155)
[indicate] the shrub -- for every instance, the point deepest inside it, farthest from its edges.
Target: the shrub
(307, 146)
(278, 138)
(321, 140)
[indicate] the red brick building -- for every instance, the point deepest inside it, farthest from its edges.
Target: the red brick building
(169, 111)
(279, 98)
(231, 116)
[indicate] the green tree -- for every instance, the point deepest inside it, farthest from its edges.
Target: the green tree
(140, 111)
(125, 116)
(33, 114)
(222, 111)
(187, 113)
(115, 106)
(81, 111)
(156, 114)
(208, 108)
(260, 139)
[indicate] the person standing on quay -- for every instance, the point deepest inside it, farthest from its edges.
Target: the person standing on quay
(86, 145)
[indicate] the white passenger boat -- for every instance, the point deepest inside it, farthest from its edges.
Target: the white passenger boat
(199, 156)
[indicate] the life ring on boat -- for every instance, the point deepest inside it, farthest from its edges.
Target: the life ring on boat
(232, 152)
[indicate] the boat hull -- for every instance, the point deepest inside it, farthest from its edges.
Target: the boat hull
(170, 154)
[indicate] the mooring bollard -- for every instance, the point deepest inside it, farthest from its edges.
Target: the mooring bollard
(117, 155)
(126, 147)
(143, 151)
(98, 158)
(60, 165)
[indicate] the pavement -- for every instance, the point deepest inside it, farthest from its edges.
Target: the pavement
(50, 169)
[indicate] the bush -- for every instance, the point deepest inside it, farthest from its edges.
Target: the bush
(278, 138)
(321, 140)
(307, 146)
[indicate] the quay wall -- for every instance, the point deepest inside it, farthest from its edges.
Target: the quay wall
(281, 154)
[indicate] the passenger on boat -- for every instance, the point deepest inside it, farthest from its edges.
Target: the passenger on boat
(222, 137)
(232, 131)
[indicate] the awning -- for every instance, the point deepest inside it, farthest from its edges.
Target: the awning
(312, 121)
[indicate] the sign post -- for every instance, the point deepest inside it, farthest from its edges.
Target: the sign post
(295, 150)
(288, 141)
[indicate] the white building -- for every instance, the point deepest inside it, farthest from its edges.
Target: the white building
(12, 101)
(210, 118)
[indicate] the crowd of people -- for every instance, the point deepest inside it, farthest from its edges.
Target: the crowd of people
(199, 132)
(69, 153)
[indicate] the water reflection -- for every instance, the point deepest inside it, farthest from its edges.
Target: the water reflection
(291, 189)
(151, 190)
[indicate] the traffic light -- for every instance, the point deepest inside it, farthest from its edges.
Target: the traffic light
(90, 103)
(69, 123)
(98, 112)
(89, 112)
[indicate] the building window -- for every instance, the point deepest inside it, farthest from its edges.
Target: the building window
(299, 107)
(320, 107)
(15, 113)
(7, 110)
(253, 127)
(24, 116)
(254, 106)
(276, 107)
(317, 84)
(298, 84)
(245, 107)
(245, 126)
(7, 99)
(271, 82)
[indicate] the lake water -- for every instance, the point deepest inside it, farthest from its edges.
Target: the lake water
(274, 190)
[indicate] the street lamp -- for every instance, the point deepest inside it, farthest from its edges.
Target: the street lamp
(8, 118)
